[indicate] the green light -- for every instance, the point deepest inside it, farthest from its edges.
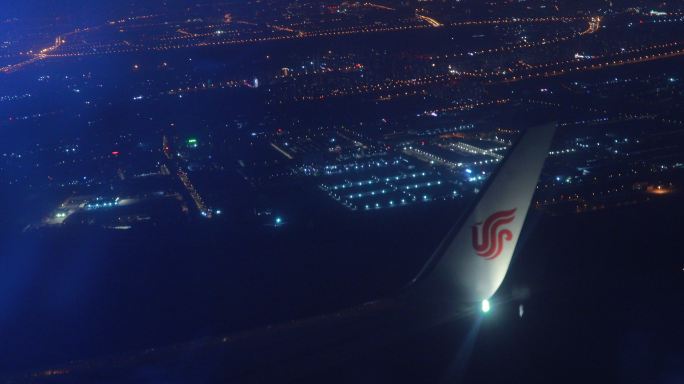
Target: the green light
(485, 306)
(192, 142)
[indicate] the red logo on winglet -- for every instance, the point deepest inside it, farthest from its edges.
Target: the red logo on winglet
(493, 235)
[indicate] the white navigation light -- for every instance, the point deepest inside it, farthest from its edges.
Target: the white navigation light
(485, 306)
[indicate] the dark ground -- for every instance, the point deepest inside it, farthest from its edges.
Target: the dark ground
(604, 290)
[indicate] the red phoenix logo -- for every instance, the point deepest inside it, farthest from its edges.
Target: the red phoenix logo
(493, 236)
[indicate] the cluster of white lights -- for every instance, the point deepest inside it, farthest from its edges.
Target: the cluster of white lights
(563, 151)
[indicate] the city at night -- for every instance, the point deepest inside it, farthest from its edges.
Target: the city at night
(301, 191)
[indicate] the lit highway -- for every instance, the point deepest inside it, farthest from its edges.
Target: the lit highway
(62, 50)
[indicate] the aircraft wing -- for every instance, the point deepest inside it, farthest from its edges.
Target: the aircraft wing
(467, 268)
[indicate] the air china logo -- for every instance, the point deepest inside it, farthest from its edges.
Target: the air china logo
(494, 234)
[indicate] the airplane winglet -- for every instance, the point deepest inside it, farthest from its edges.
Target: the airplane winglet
(471, 262)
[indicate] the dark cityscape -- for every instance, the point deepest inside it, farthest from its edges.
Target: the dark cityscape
(221, 191)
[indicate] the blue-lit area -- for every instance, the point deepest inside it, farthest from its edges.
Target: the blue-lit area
(396, 184)
(359, 166)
